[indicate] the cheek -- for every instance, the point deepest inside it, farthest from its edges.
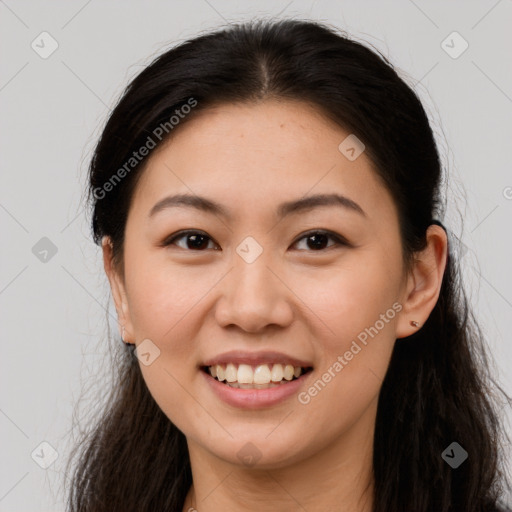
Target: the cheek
(350, 298)
(164, 305)
(162, 295)
(357, 305)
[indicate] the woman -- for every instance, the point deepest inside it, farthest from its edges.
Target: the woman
(265, 370)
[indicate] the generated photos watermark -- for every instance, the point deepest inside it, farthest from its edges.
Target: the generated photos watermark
(343, 360)
(158, 133)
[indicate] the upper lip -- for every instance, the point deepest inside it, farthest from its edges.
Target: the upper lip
(252, 358)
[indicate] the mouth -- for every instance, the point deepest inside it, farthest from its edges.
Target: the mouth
(255, 376)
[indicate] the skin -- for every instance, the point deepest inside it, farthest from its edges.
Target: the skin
(312, 303)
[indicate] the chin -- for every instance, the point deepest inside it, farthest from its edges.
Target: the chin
(259, 450)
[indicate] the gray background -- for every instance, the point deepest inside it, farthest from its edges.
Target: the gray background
(53, 313)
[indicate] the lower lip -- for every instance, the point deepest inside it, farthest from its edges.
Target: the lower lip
(255, 398)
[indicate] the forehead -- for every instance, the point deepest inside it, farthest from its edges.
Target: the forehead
(259, 154)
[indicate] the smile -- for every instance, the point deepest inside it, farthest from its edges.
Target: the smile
(260, 376)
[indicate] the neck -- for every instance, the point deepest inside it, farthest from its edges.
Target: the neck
(338, 477)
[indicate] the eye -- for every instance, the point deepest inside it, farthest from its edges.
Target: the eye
(319, 238)
(197, 240)
(194, 239)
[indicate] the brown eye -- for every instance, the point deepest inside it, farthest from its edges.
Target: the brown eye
(194, 240)
(318, 240)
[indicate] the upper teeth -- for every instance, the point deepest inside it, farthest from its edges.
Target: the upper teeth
(261, 374)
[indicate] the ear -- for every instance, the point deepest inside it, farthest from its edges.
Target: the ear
(118, 291)
(424, 282)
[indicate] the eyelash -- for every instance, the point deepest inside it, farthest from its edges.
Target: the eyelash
(339, 240)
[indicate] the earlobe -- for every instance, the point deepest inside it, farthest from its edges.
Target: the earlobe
(424, 283)
(117, 289)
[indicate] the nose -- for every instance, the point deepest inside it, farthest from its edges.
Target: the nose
(254, 296)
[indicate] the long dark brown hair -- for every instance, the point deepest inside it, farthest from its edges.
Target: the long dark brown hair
(439, 387)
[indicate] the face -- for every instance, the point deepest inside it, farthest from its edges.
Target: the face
(257, 284)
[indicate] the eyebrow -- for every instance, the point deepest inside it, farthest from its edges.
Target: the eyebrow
(291, 207)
